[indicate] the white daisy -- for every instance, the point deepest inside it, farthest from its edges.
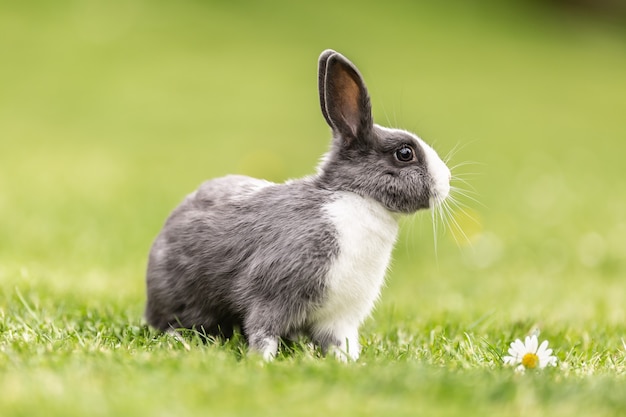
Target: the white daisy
(528, 356)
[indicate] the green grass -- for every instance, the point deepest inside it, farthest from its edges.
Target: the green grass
(110, 112)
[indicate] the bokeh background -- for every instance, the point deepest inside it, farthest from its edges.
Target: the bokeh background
(111, 111)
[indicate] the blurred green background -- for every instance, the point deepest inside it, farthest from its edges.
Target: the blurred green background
(110, 112)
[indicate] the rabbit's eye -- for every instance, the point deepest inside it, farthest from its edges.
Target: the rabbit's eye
(405, 154)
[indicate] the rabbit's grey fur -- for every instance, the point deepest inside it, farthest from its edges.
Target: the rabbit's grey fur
(307, 256)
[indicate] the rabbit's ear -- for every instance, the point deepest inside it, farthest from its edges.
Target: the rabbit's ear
(321, 81)
(347, 104)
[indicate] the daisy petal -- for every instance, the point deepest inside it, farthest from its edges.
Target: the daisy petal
(550, 360)
(509, 360)
(531, 343)
(514, 353)
(527, 344)
(542, 348)
(519, 347)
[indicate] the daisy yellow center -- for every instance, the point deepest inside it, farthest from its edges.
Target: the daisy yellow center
(530, 360)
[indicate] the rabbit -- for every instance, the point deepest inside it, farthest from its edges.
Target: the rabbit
(307, 256)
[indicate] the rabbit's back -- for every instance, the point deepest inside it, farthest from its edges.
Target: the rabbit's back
(227, 190)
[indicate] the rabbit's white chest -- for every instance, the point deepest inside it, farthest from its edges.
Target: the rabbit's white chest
(366, 235)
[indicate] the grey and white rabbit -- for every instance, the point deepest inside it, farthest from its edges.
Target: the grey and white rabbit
(305, 257)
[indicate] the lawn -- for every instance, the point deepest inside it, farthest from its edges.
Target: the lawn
(110, 112)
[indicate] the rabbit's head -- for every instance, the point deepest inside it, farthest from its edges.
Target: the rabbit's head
(392, 166)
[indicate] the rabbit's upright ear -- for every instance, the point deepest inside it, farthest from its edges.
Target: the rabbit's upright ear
(343, 97)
